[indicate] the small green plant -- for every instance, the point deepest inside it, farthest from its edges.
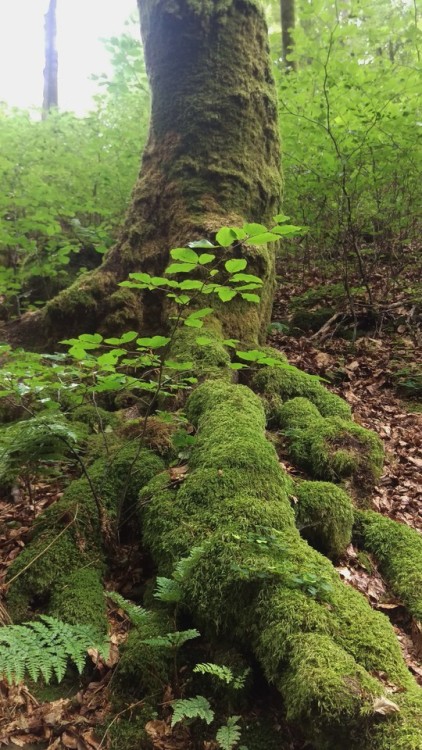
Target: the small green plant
(228, 735)
(43, 648)
(192, 708)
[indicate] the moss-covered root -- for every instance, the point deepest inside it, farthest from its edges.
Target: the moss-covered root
(324, 516)
(284, 382)
(331, 448)
(257, 581)
(60, 570)
(398, 550)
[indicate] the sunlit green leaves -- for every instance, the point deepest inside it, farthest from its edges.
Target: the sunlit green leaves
(235, 265)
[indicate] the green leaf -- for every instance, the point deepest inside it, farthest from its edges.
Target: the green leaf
(230, 342)
(225, 237)
(235, 264)
(190, 284)
(250, 297)
(201, 244)
(153, 342)
(252, 229)
(236, 366)
(186, 254)
(202, 313)
(226, 294)
(179, 268)
(91, 338)
(193, 322)
(288, 229)
(206, 258)
(246, 277)
(124, 339)
(203, 341)
(252, 356)
(279, 218)
(262, 239)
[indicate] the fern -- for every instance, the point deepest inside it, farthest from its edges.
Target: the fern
(172, 640)
(168, 590)
(229, 735)
(137, 615)
(192, 708)
(184, 567)
(44, 647)
(33, 440)
(223, 673)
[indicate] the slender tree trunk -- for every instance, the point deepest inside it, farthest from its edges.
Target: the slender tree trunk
(50, 95)
(287, 9)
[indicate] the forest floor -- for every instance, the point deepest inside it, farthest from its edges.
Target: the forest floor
(365, 373)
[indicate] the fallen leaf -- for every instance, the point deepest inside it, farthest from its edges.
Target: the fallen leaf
(385, 707)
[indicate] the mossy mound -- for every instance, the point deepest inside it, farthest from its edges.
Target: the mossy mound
(324, 516)
(60, 570)
(95, 417)
(210, 360)
(250, 582)
(398, 550)
(143, 670)
(331, 448)
(287, 382)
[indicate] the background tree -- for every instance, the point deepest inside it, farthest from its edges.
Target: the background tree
(288, 22)
(50, 96)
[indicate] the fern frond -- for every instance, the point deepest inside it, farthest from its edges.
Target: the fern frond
(137, 615)
(192, 708)
(176, 639)
(44, 648)
(223, 673)
(229, 735)
(168, 590)
(184, 567)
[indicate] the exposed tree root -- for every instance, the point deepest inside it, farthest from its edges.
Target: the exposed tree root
(325, 651)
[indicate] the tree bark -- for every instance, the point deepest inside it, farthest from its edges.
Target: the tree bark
(212, 159)
(50, 95)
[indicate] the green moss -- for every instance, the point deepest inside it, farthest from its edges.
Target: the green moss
(143, 670)
(81, 600)
(310, 320)
(56, 553)
(128, 731)
(210, 361)
(331, 448)
(398, 550)
(95, 417)
(326, 685)
(250, 580)
(287, 382)
(324, 516)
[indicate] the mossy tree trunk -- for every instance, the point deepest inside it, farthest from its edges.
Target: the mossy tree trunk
(212, 159)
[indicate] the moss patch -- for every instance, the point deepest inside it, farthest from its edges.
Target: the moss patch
(65, 565)
(324, 516)
(398, 549)
(331, 448)
(287, 382)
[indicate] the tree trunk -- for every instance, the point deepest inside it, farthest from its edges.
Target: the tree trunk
(287, 9)
(212, 159)
(50, 96)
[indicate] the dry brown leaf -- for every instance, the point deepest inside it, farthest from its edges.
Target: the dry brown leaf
(385, 707)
